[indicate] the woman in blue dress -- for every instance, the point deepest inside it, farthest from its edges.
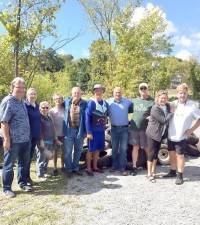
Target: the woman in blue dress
(96, 119)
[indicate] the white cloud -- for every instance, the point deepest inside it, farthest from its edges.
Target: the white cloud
(185, 41)
(61, 52)
(141, 12)
(184, 55)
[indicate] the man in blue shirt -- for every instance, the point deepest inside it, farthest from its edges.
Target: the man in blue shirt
(16, 137)
(119, 108)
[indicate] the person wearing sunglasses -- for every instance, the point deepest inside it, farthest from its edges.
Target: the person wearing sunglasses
(138, 124)
(16, 137)
(157, 130)
(47, 139)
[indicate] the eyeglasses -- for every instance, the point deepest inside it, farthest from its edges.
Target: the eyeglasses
(19, 87)
(45, 107)
(143, 88)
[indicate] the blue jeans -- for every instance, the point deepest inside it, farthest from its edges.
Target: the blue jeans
(72, 141)
(34, 141)
(119, 137)
(42, 162)
(21, 152)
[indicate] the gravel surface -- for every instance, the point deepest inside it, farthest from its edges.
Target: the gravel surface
(113, 199)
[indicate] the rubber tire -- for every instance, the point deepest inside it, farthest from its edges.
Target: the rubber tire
(163, 155)
(192, 150)
(192, 139)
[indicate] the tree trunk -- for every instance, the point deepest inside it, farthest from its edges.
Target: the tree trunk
(17, 39)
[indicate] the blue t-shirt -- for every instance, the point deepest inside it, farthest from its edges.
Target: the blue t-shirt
(14, 112)
(34, 119)
(96, 115)
(118, 111)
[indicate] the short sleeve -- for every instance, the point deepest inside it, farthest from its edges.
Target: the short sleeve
(196, 111)
(5, 112)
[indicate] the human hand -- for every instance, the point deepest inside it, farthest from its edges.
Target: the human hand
(89, 136)
(6, 144)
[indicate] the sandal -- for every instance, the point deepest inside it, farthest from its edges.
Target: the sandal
(98, 171)
(151, 179)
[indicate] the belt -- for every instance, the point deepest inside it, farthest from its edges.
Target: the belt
(119, 126)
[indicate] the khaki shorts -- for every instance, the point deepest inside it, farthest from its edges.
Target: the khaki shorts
(137, 138)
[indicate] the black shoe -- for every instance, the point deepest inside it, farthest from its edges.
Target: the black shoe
(9, 193)
(78, 173)
(29, 181)
(134, 171)
(55, 172)
(172, 173)
(26, 188)
(179, 179)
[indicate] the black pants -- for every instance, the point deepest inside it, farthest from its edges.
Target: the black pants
(153, 149)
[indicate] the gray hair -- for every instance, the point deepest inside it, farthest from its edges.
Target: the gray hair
(17, 80)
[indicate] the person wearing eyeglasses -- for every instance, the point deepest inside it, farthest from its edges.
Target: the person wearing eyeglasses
(138, 124)
(16, 137)
(34, 120)
(157, 130)
(180, 126)
(47, 139)
(57, 115)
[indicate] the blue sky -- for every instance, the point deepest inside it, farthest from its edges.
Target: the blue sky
(183, 17)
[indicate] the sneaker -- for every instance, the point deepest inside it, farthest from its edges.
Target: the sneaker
(42, 178)
(9, 194)
(134, 171)
(78, 173)
(55, 172)
(26, 188)
(29, 181)
(171, 173)
(179, 179)
(89, 173)
(124, 173)
(47, 175)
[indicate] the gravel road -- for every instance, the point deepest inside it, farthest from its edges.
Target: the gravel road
(113, 199)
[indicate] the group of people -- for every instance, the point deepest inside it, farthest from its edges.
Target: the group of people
(28, 127)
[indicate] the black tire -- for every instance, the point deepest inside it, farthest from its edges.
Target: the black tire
(105, 161)
(192, 150)
(163, 155)
(192, 139)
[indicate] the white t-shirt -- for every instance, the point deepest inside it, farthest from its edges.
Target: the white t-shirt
(184, 115)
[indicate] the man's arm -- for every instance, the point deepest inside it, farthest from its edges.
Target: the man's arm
(193, 128)
(6, 135)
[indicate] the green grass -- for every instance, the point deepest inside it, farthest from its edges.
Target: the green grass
(43, 206)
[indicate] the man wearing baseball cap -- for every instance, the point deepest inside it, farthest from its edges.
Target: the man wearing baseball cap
(137, 135)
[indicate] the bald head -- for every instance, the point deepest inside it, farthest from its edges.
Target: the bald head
(117, 93)
(76, 93)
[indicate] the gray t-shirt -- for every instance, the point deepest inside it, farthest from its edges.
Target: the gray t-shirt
(14, 112)
(57, 116)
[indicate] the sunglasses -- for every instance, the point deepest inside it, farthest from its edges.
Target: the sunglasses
(143, 88)
(45, 107)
